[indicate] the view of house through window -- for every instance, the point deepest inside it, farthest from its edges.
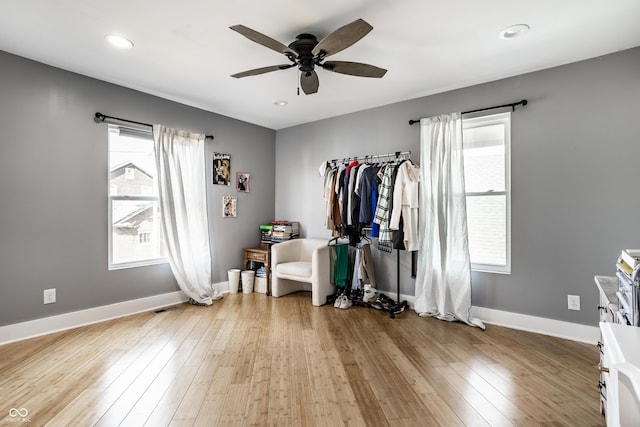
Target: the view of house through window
(486, 142)
(135, 237)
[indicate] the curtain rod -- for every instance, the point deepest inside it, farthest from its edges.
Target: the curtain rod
(102, 117)
(513, 106)
(373, 156)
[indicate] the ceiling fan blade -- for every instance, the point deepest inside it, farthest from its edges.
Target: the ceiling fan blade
(260, 38)
(262, 70)
(342, 38)
(354, 69)
(309, 82)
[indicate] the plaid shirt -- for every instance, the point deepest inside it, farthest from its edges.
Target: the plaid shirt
(381, 216)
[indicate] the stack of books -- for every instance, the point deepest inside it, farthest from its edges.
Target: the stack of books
(629, 260)
(284, 230)
(265, 233)
(261, 272)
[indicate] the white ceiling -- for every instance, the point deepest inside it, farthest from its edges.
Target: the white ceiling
(185, 51)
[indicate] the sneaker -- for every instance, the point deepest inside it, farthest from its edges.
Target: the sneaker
(385, 302)
(338, 301)
(346, 302)
(370, 295)
(375, 304)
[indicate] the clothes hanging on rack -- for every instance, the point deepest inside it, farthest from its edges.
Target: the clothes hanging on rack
(384, 199)
(361, 194)
(339, 265)
(363, 271)
(404, 214)
(367, 191)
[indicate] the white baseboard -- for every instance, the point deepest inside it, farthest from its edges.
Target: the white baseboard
(524, 322)
(538, 325)
(222, 287)
(61, 322)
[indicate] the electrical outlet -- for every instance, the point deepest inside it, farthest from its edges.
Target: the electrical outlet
(574, 302)
(50, 296)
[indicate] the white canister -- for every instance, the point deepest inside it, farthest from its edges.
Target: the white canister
(247, 281)
(234, 280)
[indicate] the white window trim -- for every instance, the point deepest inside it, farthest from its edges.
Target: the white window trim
(487, 120)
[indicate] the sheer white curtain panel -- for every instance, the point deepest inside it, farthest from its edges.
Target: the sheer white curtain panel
(443, 279)
(180, 161)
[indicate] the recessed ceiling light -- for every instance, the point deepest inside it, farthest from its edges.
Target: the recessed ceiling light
(280, 103)
(119, 41)
(514, 31)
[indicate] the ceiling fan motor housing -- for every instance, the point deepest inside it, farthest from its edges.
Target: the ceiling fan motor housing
(303, 46)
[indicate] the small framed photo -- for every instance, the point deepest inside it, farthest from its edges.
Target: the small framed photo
(242, 182)
(229, 206)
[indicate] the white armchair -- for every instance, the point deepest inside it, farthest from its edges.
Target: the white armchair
(301, 265)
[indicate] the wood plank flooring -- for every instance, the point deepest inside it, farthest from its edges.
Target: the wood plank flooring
(253, 360)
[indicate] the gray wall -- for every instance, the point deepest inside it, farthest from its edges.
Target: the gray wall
(53, 188)
(575, 151)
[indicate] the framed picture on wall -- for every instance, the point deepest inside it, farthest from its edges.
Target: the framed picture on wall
(242, 182)
(221, 169)
(229, 206)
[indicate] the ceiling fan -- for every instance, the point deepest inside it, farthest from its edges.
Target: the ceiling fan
(305, 52)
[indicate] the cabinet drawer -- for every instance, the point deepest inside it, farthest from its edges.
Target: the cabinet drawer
(257, 256)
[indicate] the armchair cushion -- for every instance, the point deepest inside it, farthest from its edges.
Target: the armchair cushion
(295, 268)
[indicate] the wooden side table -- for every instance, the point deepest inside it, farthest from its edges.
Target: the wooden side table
(259, 255)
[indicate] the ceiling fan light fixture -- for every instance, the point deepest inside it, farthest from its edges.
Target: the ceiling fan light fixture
(513, 31)
(119, 41)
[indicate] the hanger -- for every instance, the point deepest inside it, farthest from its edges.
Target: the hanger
(365, 237)
(335, 239)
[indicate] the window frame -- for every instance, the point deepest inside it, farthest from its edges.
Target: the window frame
(111, 198)
(503, 118)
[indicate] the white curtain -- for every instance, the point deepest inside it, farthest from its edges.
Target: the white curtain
(180, 162)
(443, 279)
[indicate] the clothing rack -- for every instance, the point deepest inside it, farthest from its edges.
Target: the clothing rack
(398, 306)
(513, 106)
(102, 117)
(396, 155)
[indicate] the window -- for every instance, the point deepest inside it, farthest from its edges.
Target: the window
(135, 237)
(129, 174)
(144, 238)
(486, 142)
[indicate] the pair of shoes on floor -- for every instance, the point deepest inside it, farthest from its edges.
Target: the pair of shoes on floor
(343, 302)
(385, 302)
(370, 295)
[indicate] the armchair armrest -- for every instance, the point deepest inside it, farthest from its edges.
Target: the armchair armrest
(321, 280)
(287, 251)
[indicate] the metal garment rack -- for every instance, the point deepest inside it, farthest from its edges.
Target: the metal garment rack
(389, 156)
(100, 118)
(399, 306)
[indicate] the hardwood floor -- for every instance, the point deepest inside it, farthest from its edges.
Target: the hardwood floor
(256, 360)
